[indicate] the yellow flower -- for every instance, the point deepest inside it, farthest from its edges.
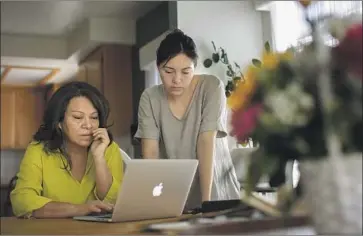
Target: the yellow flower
(305, 3)
(241, 96)
(271, 60)
(286, 56)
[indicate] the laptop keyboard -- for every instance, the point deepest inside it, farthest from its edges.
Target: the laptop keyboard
(105, 216)
(101, 215)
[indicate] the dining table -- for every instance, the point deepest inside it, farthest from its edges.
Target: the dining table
(32, 226)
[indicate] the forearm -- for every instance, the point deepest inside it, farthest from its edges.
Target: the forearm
(58, 210)
(150, 149)
(205, 152)
(103, 177)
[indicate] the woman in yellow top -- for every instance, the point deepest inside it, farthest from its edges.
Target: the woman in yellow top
(72, 168)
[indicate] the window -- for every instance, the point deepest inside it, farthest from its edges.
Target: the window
(289, 27)
(152, 76)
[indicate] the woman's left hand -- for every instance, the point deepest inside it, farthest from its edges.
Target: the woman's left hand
(100, 142)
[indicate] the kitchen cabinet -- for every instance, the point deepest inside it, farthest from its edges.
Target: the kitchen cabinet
(7, 118)
(109, 69)
(21, 114)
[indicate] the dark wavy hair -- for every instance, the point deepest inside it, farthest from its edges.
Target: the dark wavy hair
(174, 43)
(49, 133)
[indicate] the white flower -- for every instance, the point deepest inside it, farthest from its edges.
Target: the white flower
(290, 106)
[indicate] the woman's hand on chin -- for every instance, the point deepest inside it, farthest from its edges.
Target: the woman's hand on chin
(100, 143)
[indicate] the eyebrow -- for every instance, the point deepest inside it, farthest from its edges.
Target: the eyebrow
(83, 112)
(167, 67)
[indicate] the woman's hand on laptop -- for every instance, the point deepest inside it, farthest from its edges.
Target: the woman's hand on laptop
(95, 207)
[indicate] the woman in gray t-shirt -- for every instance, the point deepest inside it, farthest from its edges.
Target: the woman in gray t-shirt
(185, 118)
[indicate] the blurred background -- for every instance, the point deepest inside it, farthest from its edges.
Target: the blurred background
(112, 45)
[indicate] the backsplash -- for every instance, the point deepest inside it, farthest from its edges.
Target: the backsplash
(10, 161)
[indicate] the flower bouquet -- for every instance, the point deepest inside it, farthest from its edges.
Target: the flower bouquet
(305, 104)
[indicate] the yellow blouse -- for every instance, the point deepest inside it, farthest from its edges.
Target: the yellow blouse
(42, 178)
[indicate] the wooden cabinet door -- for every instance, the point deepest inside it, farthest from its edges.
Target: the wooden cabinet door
(94, 74)
(29, 108)
(117, 89)
(7, 118)
(82, 73)
(91, 69)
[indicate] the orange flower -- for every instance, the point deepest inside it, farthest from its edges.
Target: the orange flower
(305, 3)
(271, 60)
(241, 96)
(245, 88)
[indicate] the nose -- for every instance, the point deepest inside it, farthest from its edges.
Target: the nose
(87, 123)
(177, 78)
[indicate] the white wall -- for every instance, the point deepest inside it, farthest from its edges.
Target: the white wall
(234, 25)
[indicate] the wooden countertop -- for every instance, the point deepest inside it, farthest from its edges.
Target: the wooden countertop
(14, 226)
(280, 224)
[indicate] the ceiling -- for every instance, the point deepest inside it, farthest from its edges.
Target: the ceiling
(45, 21)
(56, 18)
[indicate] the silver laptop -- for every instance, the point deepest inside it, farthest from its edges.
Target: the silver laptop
(151, 189)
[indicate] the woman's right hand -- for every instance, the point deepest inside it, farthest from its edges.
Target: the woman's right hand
(95, 207)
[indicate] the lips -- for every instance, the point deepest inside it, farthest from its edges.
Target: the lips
(86, 136)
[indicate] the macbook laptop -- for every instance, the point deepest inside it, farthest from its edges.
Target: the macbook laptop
(151, 189)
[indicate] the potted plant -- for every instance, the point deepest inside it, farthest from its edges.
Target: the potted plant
(305, 104)
(234, 76)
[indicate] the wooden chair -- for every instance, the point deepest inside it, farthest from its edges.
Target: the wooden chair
(7, 204)
(125, 158)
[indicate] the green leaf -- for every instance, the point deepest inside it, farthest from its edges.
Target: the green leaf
(215, 57)
(256, 63)
(214, 46)
(259, 165)
(207, 63)
(224, 57)
(254, 171)
(267, 47)
(235, 79)
(230, 86)
(235, 63)
(230, 69)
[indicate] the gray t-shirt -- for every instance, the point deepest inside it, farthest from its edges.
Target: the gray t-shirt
(178, 137)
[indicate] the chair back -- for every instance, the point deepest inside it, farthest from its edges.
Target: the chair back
(7, 203)
(125, 157)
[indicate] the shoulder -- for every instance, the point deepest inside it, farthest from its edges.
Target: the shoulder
(210, 86)
(34, 153)
(36, 149)
(152, 92)
(113, 146)
(112, 149)
(211, 82)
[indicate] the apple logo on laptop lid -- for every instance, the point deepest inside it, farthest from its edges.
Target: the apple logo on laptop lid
(158, 189)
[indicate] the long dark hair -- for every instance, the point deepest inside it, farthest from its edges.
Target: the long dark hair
(49, 133)
(174, 43)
